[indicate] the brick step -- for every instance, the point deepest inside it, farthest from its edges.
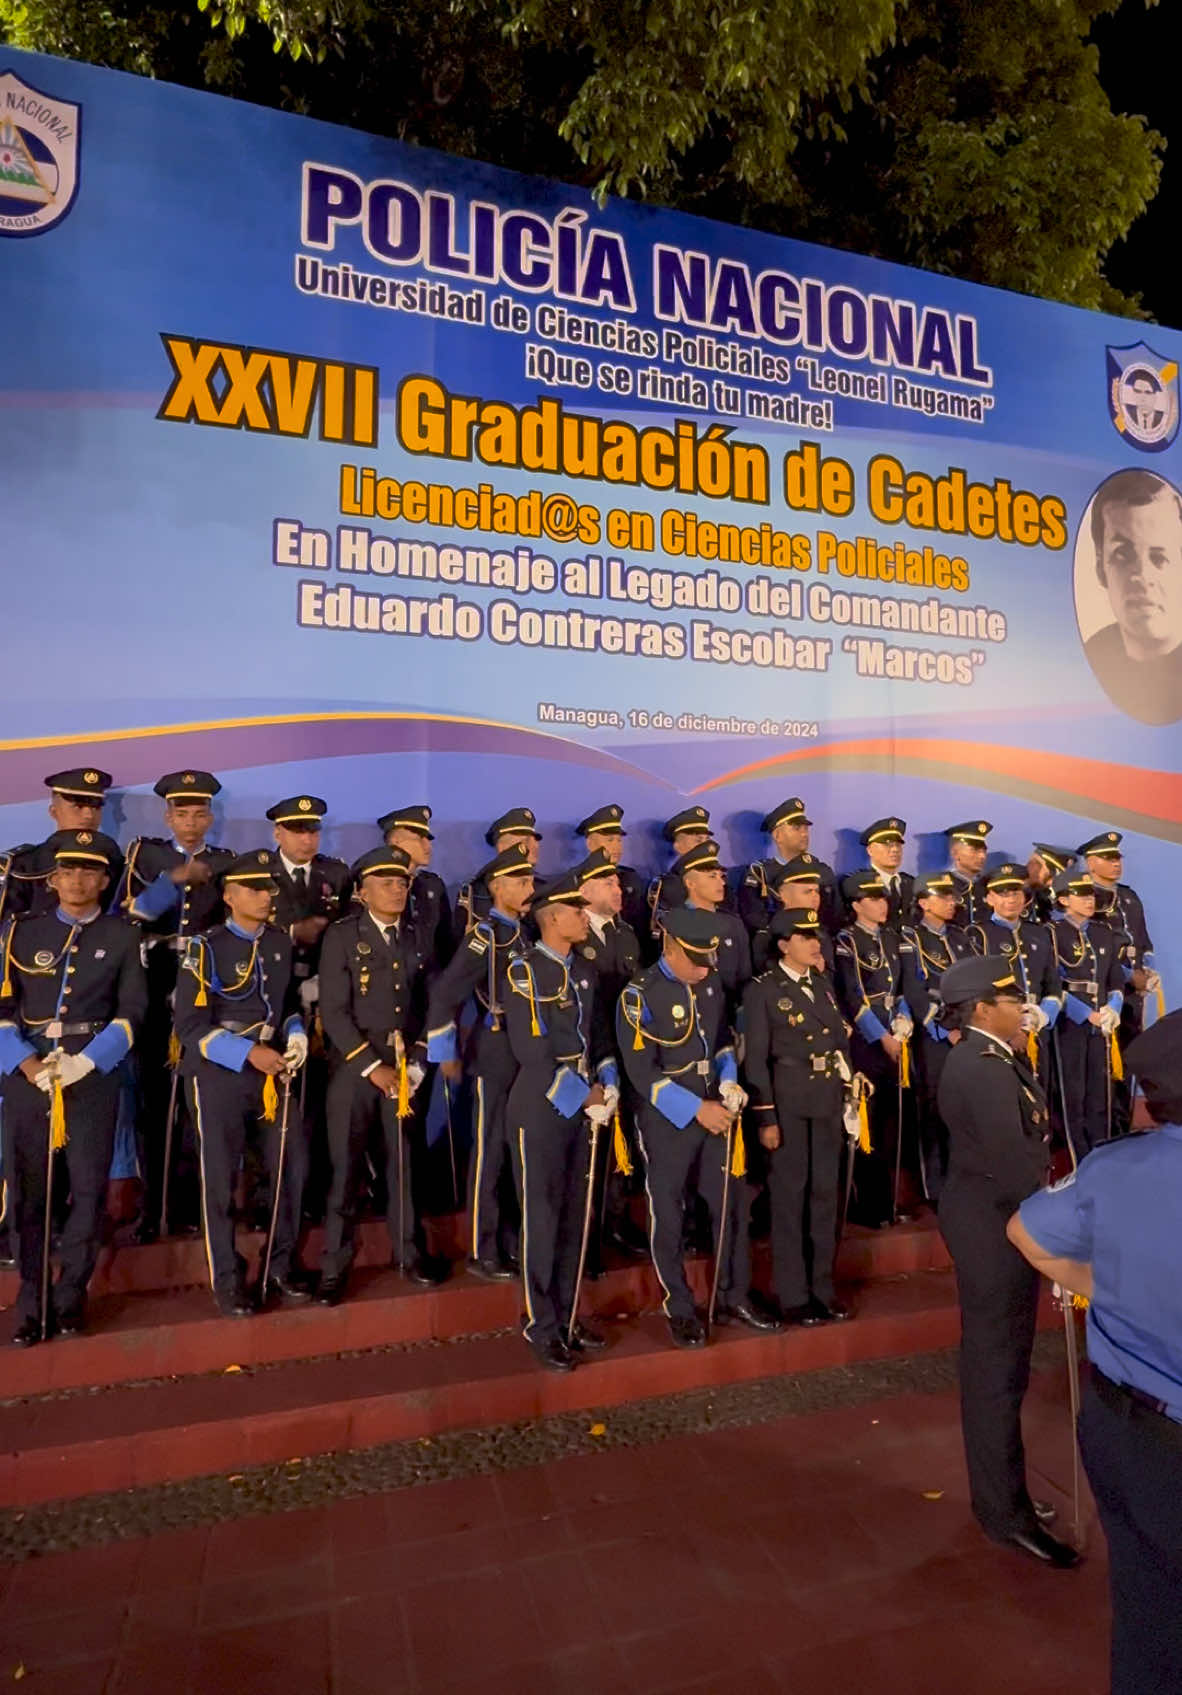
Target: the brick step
(131, 1436)
(175, 1332)
(179, 1263)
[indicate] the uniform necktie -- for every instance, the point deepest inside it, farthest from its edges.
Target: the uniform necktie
(807, 986)
(300, 878)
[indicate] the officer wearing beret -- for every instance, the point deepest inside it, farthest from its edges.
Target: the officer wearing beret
(869, 970)
(968, 845)
(1045, 862)
(1119, 907)
(238, 1019)
(686, 829)
(703, 878)
(516, 828)
(72, 996)
(883, 841)
(76, 803)
(996, 1115)
(1029, 948)
(603, 832)
(373, 1008)
(170, 888)
(1091, 983)
(795, 886)
(1110, 1232)
(673, 1037)
(935, 944)
(796, 1065)
(408, 828)
(566, 1073)
(478, 968)
(788, 825)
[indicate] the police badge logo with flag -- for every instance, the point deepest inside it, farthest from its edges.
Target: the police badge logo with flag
(1143, 396)
(38, 157)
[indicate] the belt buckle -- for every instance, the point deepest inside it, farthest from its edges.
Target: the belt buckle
(820, 1062)
(703, 1068)
(54, 1030)
(267, 1031)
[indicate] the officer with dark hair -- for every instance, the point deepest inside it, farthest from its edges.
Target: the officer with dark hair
(1045, 863)
(1029, 948)
(76, 802)
(788, 825)
(996, 1115)
(1088, 962)
(685, 830)
(516, 828)
(968, 846)
(883, 841)
(603, 832)
(703, 878)
(1118, 906)
(795, 887)
(934, 943)
(1111, 1233)
(408, 828)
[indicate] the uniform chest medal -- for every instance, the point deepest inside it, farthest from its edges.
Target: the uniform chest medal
(43, 958)
(677, 1012)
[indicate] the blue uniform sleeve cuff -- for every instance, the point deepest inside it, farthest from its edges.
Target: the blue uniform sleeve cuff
(159, 897)
(1060, 1219)
(567, 1092)
(1148, 961)
(110, 1045)
(1116, 1001)
(224, 1048)
(1050, 1009)
(680, 1106)
(938, 1032)
(608, 1073)
(294, 1026)
(13, 1049)
(1078, 1011)
(726, 1066)
(442, 1045)
(870, 1026)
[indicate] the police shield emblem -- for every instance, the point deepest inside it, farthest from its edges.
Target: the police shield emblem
(1143, 396)
(39, 136)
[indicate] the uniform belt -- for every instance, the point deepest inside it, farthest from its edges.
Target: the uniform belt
(54, 1032)
(1082, 985)
(1124, 1398)
(265, 1031)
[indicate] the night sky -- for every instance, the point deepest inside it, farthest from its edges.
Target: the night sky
(1139, 68)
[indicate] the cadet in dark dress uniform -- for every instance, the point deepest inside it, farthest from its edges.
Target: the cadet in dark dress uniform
(516, 828)
(1045, 863)
(1091, 982)
(795, 886)
(478, 968)
(935, 944)
(408, 828)
(170, 888)
(72, 996)
(672, 1034)
(565, 1074)
(1111, 1233)
(76, 803)
(868, 967)
(997, 1118)
(788, 825)
(883, 841)
(373, 1007)
(703, 878)
(796, 1065)
(968, 846)
(1119, 907)
(685, 830)
(603, 832)
(1030, 950)
(237, 1016)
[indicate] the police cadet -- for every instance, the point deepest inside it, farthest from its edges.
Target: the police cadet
(603, 832)
(996, 1114)
(1088, 961)
(795, 886)
(935, 944)
(72, 995)
(868, 967)
(566, 1073)
(1007, 934)
(516, 828)
(673, 1038)
(237, 1016)
(685, 830)
(967, 849)
(408, 828)
(796, 1065)
(170, 888)
(76, 803)
(701, 874)
(1045, 862)
(1119, 907)
(478, 967)
(1111, 1233)
(788, 825)
(883, 841)
(373, 1008)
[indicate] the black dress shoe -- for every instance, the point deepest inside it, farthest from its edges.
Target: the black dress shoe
(512, 1265)
(427, 1270)
(829, 1312)
(71, 1321)
(553, 1355)
(490, 1271)
(146, 1232)
(234, 1303)
(629, 1242)
(587, 1337)
(1040, 1545)
(290, 1290)
(745, 1312)
(331, 1291)
(687, 1332)
(1044, 1512)
(28, 1333)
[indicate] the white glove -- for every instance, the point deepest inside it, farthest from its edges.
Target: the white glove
(45, 1079)
(843, 1067)
(309, 992)
(414, 1075)
(296, 1051)
(849, 1117)
(1109, 1020)
(901, 1027)
(597, 1114)
(71, 1067)
(1152, 982)
(611, 1098)
(1033, 1016)
(733, 1098)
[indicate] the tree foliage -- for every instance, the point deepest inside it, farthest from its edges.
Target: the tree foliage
(966, 136)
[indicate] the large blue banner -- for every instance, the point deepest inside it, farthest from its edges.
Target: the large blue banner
(340, 465)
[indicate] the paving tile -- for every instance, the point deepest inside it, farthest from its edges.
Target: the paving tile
(598, 1669)
(560, 1588)
(251, 1545)
(62, 1583)
(79, 1677)
(437, 1509)
(44, 1641)
(254, 1597)
(473, 1627)
(266, 1659)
